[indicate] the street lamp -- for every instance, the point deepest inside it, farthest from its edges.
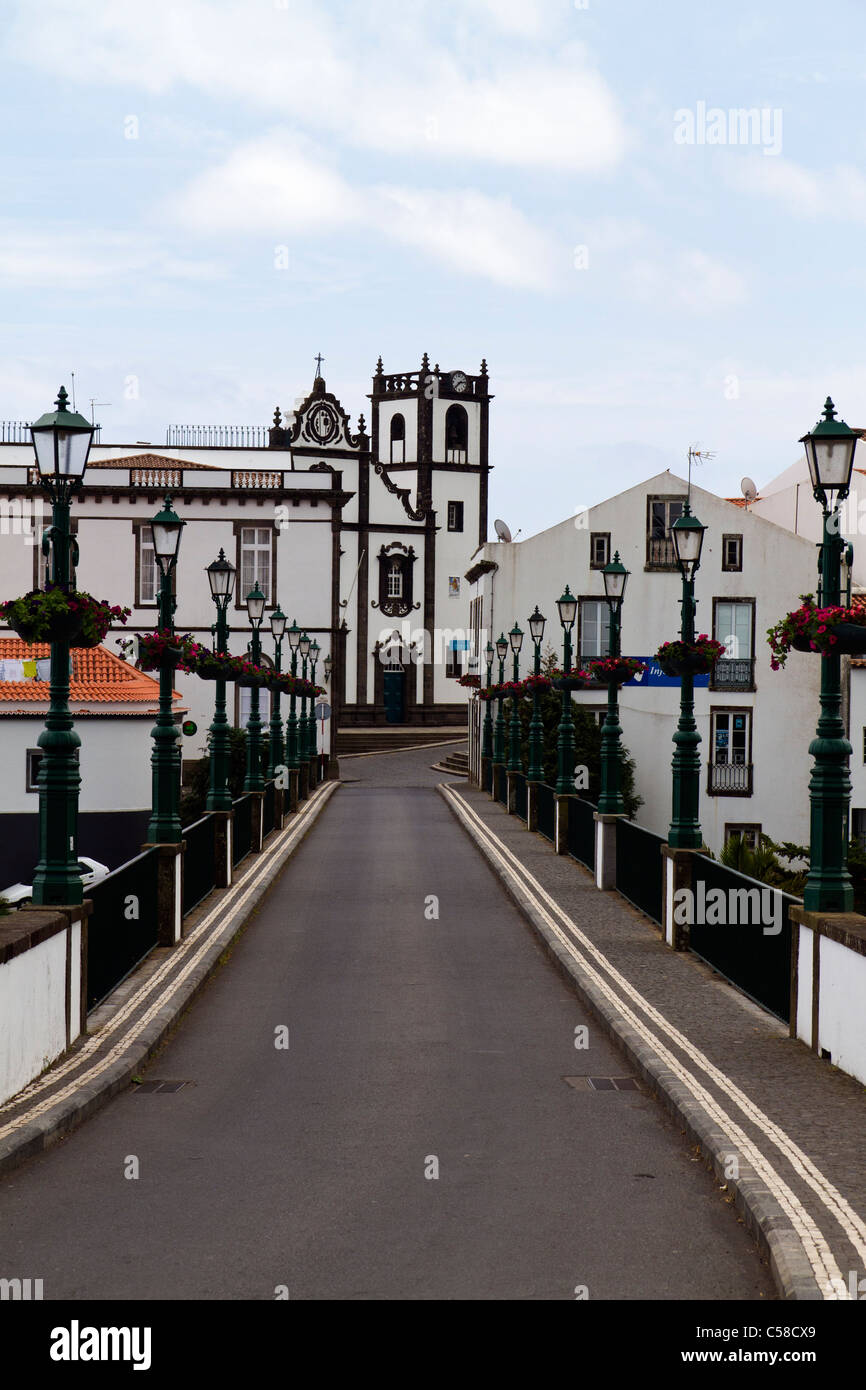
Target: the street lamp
(254, 782)
(487, 736)
(328, 665)
(685, 829)
(304, 727)
(830, 455)
(61, 440)
(165, 827)
(315, 651)
(221, 577)
(275, 756)
(567, 606)
(515, 763)
(499, 730)
(294, 636)
(610, 802)
(535, 770)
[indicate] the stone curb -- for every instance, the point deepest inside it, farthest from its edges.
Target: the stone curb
(61, 1119)
(763, 1215)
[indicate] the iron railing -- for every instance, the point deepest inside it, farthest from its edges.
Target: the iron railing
(269, 809)
(733, 673)
(748, 935)
(502, 789)
(546, 810)
(199, 862)
(661, 553)
(639, 867)
(519, 795)
(18, 432)
(734, 778)
(242, 828)
(487, 775)
(217, 436)
(581, 830)
(122, 928)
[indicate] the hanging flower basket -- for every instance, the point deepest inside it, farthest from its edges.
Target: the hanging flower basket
(470, 681)
(574, 679)
(50, 615)
(156, 649)
(207, 665)
(690, 658)
(827, 631)
(615, 670)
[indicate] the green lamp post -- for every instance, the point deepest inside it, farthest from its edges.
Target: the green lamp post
(254, 781)
(487, 735)
(61, 440)
(610, 802)
(292, 755)
(315, 652)
(535, 770)
(567, 606)
(304, 646)
(275, 727)
(164, 827)
(685, 829)
(221, 577)
(830, 455)
(515, 762)
(499, 729)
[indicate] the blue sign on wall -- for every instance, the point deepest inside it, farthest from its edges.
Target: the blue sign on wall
(654, 675)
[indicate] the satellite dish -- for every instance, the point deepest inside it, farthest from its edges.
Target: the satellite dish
(749, 490)
(502, 531)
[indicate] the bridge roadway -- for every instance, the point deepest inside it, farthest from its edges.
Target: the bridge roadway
(415, 1043)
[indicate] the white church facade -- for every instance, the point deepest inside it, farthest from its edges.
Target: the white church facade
(362, 535)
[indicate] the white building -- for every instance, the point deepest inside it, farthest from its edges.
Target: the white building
(755, 724)
(363, 538)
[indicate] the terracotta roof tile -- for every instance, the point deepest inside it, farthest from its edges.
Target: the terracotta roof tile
(98, 676)
(741, 501)
(150, 461)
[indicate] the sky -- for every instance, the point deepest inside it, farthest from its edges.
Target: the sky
(201, 195)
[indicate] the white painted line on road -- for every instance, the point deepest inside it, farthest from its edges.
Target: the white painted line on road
(193, 947)
(817, 1249)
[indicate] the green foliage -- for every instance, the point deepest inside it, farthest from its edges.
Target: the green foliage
(193, 799)
(587, 742)
(764, 862)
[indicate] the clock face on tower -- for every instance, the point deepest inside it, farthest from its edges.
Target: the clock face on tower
(458, 381)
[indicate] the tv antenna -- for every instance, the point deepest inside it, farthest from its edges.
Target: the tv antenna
(698, 455)
(93, 403)
(72, 374)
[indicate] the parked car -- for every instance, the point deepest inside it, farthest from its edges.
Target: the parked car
(21, 894)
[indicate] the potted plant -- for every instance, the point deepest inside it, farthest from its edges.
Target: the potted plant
(615, 670)
(208, 665)
(695, 658)
(832, 630)
(471, 681)
(575, 679)
(155, 648)
(52, 615)
(245, 674)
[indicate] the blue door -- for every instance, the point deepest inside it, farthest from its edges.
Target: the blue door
(393, 696)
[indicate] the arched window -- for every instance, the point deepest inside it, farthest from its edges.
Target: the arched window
(456, 435)
(398, 439)
(395, 580)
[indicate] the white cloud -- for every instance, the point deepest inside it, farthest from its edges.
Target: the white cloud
(369, 84)
(839, 194)
(279, 185)
(79, 258)
(691, 279)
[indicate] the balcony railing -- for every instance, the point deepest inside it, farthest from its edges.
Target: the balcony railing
(731, 779)
(733, 673)
(217, 436)
(18, 432)
(661, 553)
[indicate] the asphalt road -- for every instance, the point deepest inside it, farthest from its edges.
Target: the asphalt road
(417, 1044)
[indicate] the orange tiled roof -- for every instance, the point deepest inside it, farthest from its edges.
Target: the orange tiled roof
(98, 676)
(741, 501)
(149, 461)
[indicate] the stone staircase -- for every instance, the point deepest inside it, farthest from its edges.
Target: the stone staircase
(457, 762)
(391, 738)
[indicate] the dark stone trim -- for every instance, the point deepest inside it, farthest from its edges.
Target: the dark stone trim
(475, 572)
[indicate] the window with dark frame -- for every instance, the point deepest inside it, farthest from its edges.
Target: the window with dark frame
(594, 628)
(456, 435)
(146, 569)
(455, 516)
(732, 553)
(749, 834)
(662, 512)
(599, 549)
(398, 439)
(454, 662)
(34, 758)
(255, 563)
